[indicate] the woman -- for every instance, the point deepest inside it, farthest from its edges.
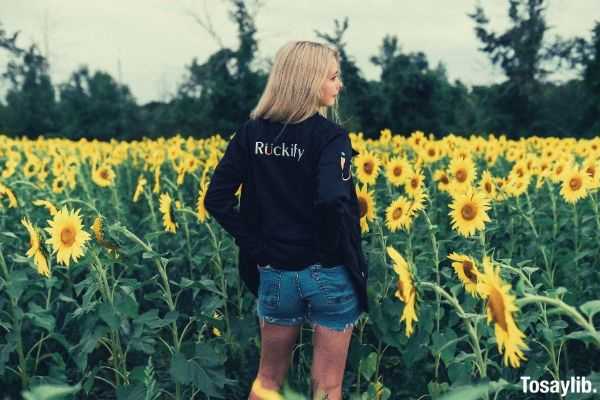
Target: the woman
(298, 227)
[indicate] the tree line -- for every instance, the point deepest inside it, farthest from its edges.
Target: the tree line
(218, 94)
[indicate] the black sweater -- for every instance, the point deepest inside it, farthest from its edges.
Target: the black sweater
(298, 204)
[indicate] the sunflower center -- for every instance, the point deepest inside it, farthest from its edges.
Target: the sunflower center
(468, 268)
(591, 171)
(497, 308)
(363, 206)
(368, 167)
(461, 175)
(444, 180)
(67, 236)
(104, 174)
(414, 183)
(30, 168)
(559, 170)
(431, 152)
(397, 171)
(520, 173)
(575, 183)
(469, 211)
(397, 213)
(488, 187)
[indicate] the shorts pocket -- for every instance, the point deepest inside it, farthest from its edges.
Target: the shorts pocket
(335, 284)
(269, 287)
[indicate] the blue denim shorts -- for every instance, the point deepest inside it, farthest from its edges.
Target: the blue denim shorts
(319, 295)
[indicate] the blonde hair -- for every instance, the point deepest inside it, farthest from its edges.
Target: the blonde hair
(293, 89)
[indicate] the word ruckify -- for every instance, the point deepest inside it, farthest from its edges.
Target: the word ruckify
(282, 150)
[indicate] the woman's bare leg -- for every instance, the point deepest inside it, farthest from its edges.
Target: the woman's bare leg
(330, 351)
(277, 343)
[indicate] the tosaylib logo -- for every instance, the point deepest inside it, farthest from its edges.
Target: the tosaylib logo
(283, 150)
(577, 384)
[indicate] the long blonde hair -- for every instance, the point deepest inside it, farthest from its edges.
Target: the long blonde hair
(293, 89)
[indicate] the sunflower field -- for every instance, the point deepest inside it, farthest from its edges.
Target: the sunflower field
(483, 253)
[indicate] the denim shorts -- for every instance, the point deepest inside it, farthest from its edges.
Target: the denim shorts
(319, 295)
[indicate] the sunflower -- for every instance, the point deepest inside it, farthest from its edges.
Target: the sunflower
(366, 202)
(575, 183)
(32, 167)
(441, 177)
(462, 171)
(396, 171)
(12, 199)
(398, 214)
(200, 207)
(385, 135)
(156, 188)
(487, 185)
(500, 305)
(469, 212)
(58, 184)
(367, 167)
(139, 188)
(264, 393)
(45, 203)
(405, 290)
(466, 270)
(516, 186)
(67, 236)
(431, 152)
(414, 183)
(592, 169)
(97, 228)
(165, 209)
(35, 249)
(103, 176)
(560, 167)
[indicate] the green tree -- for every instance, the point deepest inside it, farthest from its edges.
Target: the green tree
(220, 93)
(412, 96)
(356, 102)
(30, 99)
(95, 105)
(524, 57)
(591, 78)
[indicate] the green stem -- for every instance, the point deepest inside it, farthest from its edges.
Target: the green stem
(471, 328)
(438, 313)
(220, 270)
(565, 309)
(17, 319)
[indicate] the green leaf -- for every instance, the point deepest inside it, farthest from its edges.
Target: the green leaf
(9, 235)
(473, 392)
(107, 314)
(126, 305)
(17, 282)
(590, 308)
(584, 336)
(50, 392)
(41, 318)
(369, 365)
(131, 392)
(205, 371)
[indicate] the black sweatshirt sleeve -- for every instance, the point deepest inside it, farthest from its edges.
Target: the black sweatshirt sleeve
(333, 190)
(220, 200)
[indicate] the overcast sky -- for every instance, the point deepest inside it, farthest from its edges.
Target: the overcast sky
(147, 43)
